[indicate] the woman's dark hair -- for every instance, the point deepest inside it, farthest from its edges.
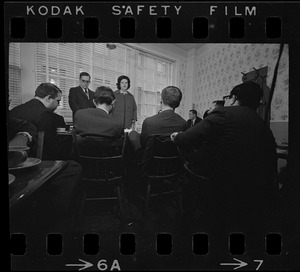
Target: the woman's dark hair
(45, 89)
(120, 79)
(171, 96)
(104, 95)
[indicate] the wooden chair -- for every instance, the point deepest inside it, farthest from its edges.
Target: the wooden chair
(195, 189)
(160, 170)
(189, 172)
(40, 145)
(102, 164)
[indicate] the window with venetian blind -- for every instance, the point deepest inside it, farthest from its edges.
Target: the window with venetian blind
(14, 81)
(153, 74)
(61, 64)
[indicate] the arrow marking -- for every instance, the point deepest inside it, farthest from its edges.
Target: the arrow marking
(239, 264)
(84, 265)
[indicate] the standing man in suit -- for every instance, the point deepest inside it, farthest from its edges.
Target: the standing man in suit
(81, 97)
(193, 119)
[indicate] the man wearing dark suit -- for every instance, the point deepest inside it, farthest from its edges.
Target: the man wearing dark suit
(40, 112)
(163, 123)
(167, 121)
(193, 119)
(81, 97)
(97, 121)
(239, 158)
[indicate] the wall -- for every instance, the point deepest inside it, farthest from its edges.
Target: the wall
(218, 69)
(28, 83)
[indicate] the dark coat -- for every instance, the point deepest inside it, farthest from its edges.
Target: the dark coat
(30, 111)
(96, 122)
(45, 120)
(240, 159)
(163, 123)
(16, 125)
(78, 99)
(125, 110)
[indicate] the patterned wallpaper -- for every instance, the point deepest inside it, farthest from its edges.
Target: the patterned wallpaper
(218, 69)
(182, 110)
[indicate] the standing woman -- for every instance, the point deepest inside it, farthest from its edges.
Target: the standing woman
(125, 111)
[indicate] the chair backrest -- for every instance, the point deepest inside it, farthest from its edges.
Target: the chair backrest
(101, 158)
(161, 158)
(187, 168)
(40, 144)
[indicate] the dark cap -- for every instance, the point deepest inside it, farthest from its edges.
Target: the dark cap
(219, 102)
(248, 93)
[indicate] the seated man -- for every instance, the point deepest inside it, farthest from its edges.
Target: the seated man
(193, 119)
(40, 112)
(163, 123)
(239, 157)
(98, 122)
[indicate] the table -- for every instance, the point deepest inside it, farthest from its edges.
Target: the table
(30, 180)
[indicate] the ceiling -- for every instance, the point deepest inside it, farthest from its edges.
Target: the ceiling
(188, 46)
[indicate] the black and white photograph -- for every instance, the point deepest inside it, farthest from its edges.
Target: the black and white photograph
(163, 155)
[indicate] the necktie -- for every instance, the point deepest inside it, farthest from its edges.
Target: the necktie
(87, 93)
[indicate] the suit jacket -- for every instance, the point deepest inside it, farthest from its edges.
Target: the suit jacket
(96, 122)
(16, 125)
(125, 109)
(78, 99)
(241, 161)
(164, 123)
(238, 145)
(189, 122)
(29, 111)
(45, 120)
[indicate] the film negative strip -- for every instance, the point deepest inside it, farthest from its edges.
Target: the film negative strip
(205, 49)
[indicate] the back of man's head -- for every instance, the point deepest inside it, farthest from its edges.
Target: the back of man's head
(171, 96)
(104, 95)
(46, 89)
(248, 94)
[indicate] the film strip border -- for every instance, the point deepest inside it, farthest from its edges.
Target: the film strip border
(200, 244)
(152, 22)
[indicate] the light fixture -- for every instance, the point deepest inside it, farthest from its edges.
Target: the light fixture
(111, 46)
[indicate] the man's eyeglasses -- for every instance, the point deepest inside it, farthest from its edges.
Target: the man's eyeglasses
(227, 97)
(85, 81)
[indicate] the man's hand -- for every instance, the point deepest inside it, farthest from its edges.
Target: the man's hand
(173, 135)
(19, 140)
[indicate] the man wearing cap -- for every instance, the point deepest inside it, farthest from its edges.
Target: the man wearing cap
(239, 158)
